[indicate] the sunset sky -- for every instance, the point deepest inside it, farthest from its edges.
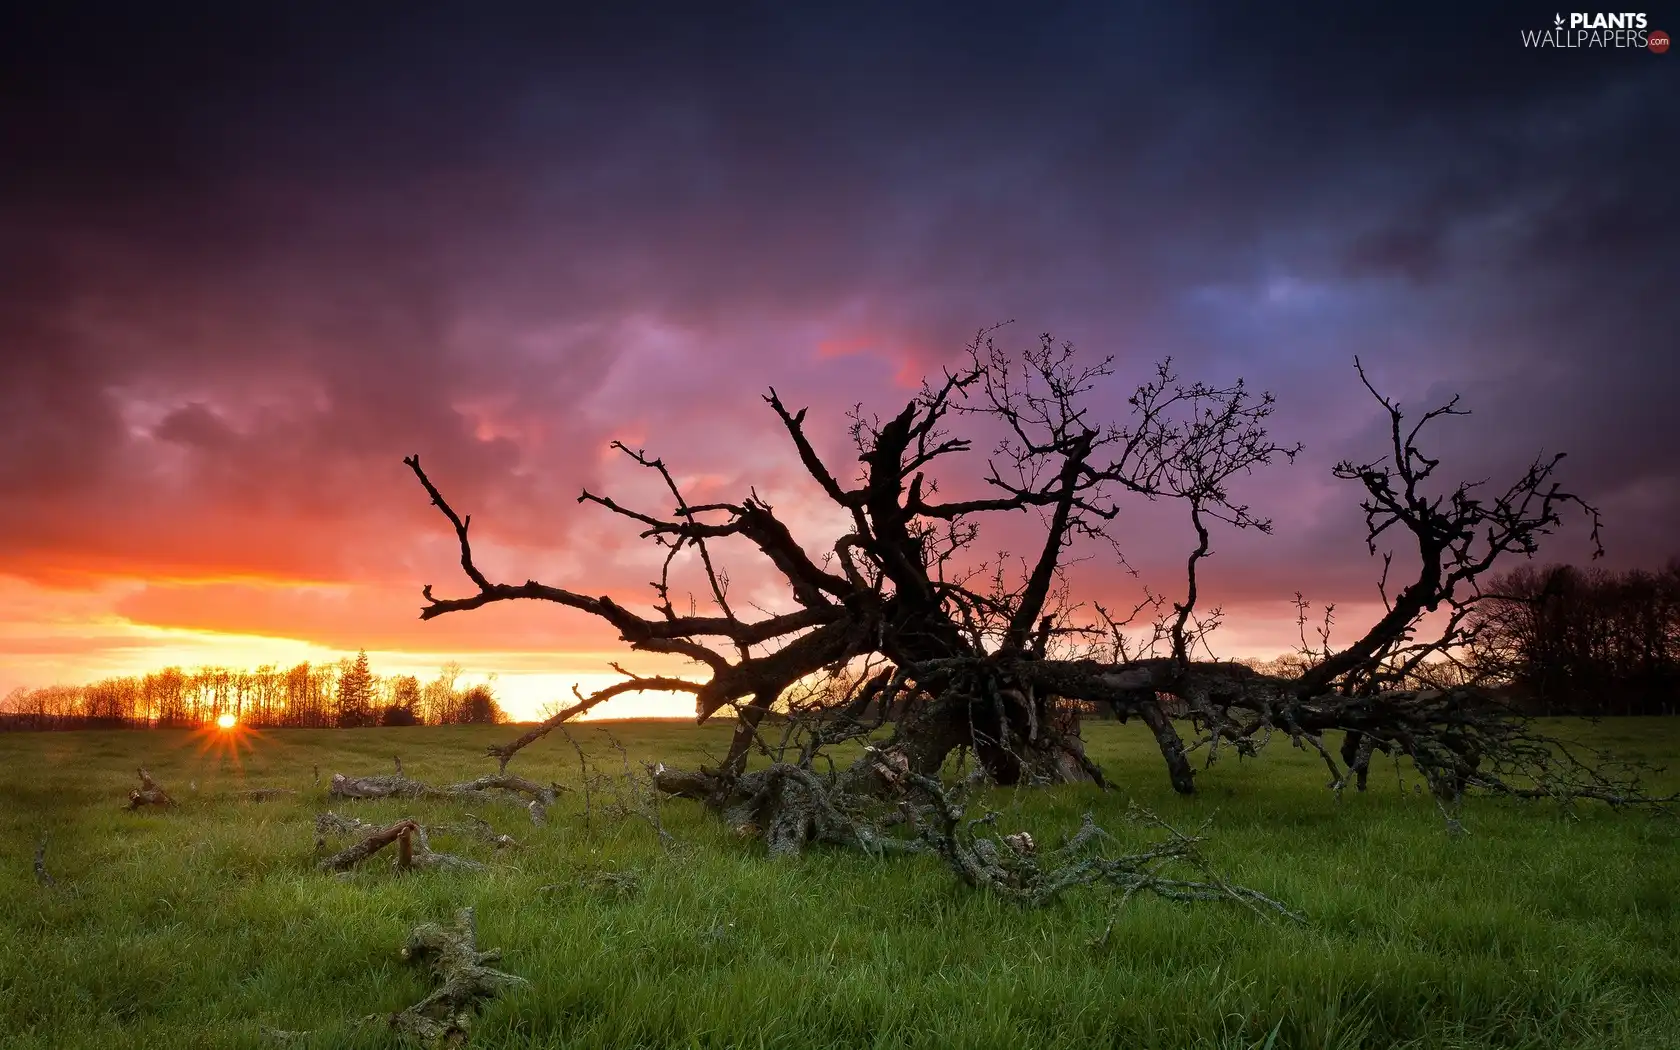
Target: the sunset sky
(248, 263)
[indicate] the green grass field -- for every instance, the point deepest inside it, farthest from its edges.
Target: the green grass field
(193, 927)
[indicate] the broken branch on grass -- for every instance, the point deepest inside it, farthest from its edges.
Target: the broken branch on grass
(464, 977)
(475, 828)
(367, 846)
(148, 794)
(791, 806)
(788, 805)
(413, 839)
(465, 983)
(1011, 865)
(481, 790)
(503, 753)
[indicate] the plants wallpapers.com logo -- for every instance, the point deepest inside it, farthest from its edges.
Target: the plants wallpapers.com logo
(1581, 29)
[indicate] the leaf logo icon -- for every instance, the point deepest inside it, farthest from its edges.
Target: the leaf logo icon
(1558, 21)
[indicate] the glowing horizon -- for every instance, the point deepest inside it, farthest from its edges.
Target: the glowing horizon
(525, 683)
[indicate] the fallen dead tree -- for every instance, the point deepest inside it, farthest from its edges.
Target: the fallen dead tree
(918, 634)
(148, 793)
(493, 788)
(412, 838)
(897, 632)
(465, 982)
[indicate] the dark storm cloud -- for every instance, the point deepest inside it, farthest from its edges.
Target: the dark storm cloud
(251, 259)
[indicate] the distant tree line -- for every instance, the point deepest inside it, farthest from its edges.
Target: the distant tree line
(1562, 640)
(342, 694)
(1584, 641)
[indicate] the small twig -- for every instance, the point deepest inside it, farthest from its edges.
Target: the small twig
(583, 773)
(41, 875)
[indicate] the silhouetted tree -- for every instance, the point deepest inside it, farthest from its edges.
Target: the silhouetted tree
(1583, 641)
(439, 696)
(306, 695)
(355, 693)
(478, 706)
(402, 707)
(952, 650)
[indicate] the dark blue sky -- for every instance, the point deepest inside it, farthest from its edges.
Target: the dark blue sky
(248, 260)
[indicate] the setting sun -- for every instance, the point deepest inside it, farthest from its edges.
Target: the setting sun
(227, 721)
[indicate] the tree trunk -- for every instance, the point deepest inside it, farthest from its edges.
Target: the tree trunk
(748, 716)
(1171, 744)
(1015, 738)
(1356, 755)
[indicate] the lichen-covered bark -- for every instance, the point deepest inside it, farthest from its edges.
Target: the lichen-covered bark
(465, 982)
(1183, 777)
(492, 788)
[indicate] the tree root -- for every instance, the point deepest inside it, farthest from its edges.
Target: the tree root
(789, 806)
(148, 794)
(484, 789)
(413, 840)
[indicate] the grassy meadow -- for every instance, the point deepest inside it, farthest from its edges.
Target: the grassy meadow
(194, 927)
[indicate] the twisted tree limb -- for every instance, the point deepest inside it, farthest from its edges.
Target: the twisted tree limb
(1012, 866)
(412, 838)
(793, 808)
(503, 753)
(148, 793)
